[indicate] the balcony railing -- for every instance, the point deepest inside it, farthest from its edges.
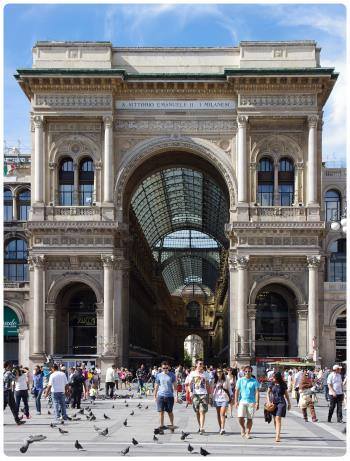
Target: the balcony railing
(16, 284)
(335, 286)
(63, 213)
(275, 213)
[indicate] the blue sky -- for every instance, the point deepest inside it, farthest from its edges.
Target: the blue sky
(166, 24)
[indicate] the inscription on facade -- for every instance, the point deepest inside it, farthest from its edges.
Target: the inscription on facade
(176, 105)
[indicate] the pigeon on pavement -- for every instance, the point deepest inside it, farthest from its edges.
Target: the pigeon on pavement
(132, 413)
(125, 422)
(105, 416)
(36, 438)
(134, 442)
(203, 452)
(78, 446)
(125, 451)
(62, 431)
(24, 447)
(104, 432)
(155, 439)
(190, 448)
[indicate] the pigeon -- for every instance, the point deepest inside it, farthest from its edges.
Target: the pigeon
(155, 439)
(24, 447)
(78, 446)
(88, 408)
(105, 416)
(97, 429)
(36, 438)
(146, 408)
(139, 405)
(81, 411)
(190, 448)
(75, 415)
(132, 413)
(134, 442)
(53, 425)
(62, 431)
(124, 401)
(104, 432)
(112, 406)
(48, 412)
(125, 422)
(184, 435)
(126, 405)
(125, 451)
(92, 418)
(203, 452)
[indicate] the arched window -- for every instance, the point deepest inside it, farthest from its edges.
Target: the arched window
(332, 204)
(86, 182)
(286, 182)
(265, 182)
(23, 204)
(16, 264)
(193, 314)
(8, 205)
(66, 182)
(340, 337)
(337, 261)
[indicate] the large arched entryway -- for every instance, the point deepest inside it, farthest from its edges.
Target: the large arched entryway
(193, 349)
(178, 205)
(76, 322)
(276, 323)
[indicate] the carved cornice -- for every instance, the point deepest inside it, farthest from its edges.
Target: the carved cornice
(73, 101)
(74, 225)
(313, 262)
(283, 100)
(179, 126)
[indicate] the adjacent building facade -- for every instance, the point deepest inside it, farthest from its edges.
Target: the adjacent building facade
(176, 192)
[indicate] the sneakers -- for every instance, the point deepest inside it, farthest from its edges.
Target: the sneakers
(222, 431)
(20, 422)
(247, 435)
(201, 431)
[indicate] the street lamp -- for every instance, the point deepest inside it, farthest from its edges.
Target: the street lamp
(339, 225)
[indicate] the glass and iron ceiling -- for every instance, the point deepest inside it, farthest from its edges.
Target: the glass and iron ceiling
(182, 213)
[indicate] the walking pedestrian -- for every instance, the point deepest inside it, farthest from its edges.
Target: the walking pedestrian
(336, 393)
(297, 379)
(278, 395)
(59, 384)
(222, 395)
(325, 384)
(247, 401)
(306, 400)
(38, 387)
(199, 393)
(8, 380)
(21, 390)
(232, 377)
(110, 381)
(141, 375)
(77, 384)
(164, 395)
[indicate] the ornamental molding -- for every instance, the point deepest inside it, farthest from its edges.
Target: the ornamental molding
(73, 127)
(38, 121)
(72, 240)
(282, 100)
(312, 121)
(238, 262)
(76, 146)
(149, 148)
(278, 241)
(279, 278)
(313, 262)
(178, 126)
(108, 261)
(230, 227)
(72, 226)
(36, 262)
(276, 146)
(73, 101)
(59, 282)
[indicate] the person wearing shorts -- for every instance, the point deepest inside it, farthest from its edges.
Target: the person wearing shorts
(222, 394)
(199, 393)
(247, 400)
(164, 392)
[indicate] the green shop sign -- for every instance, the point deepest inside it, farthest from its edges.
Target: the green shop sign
(11, 322)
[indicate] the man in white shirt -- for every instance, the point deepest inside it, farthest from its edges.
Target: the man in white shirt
(336, 393)
(199, 392)
(297, 380)
(59, 384)
(110, 382)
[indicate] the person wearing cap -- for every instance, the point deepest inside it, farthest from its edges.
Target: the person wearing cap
(336, 393)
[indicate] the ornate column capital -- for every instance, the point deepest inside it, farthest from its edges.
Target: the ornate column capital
(313, 262)
(108, 121)
(312, 121)
(299, 165)
(242, 121)
(98, 165)
(52, 165)
(38, 121)
(251, 308)
(36, 262)
(238, 262)
(108, 261)
(253, 166)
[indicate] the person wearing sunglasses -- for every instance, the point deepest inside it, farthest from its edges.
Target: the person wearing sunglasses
(247, 400)
(164, 392)
(221, 397)
(200, 393)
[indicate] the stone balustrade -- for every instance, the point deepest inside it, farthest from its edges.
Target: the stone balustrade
(335, 286)
(83, 213)
(273, 213)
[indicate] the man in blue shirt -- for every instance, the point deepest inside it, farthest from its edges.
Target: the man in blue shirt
(247, 394)
(164, 391)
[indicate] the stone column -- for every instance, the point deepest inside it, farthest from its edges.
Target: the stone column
(313, 265)
(14, 207)
(125, 314)
(242, 297)
(253, 182)
(232, 307)
(252, 316)
(51, 323)
(302, 329)
(297, 173)
(108, 265)
(76, 184)
(37, 264)
(312, 161)
(38, 159)
(54, 185)
(108, 167)
(242, 159)
(276, 193)
(99, 328)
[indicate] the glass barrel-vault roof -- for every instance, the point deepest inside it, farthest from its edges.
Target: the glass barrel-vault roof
(182, 213)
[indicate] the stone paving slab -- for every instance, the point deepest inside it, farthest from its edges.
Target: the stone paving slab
(298, 438)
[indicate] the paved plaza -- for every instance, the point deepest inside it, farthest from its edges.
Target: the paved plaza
(298, 438)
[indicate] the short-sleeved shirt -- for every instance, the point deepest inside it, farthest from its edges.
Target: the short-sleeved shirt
(58, 381)
(198, 383)
(336, 381)
(278, 391)
(247, 388)
(165, 382)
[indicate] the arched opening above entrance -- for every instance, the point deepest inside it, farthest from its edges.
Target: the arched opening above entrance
(76, 321)
(193, 349)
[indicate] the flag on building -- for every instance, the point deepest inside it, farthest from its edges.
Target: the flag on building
(9, 169)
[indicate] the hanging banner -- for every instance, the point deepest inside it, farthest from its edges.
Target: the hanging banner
(11, 322)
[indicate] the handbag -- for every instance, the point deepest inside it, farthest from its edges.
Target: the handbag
(270, 407)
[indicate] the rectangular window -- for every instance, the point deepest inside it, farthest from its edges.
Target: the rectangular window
(23, 212)
(8, 216)
(86, 194)
(332, 210)
(16, 272)
(265, 194)
(286, 194)
(66, 194)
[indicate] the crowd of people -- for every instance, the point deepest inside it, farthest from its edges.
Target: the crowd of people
(223, 388)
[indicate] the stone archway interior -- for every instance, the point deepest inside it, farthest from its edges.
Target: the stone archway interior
(76, 321)
(193, 348)
(275, 324)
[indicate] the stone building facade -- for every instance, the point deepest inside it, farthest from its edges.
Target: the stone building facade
(121, 267)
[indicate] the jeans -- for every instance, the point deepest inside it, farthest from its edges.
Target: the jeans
(24, 396)
(326, 392)
(59, 404)
(336, 401)
(37, 395)
(76, 396)
(109, 388)
(141, 386)
(10, 401)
